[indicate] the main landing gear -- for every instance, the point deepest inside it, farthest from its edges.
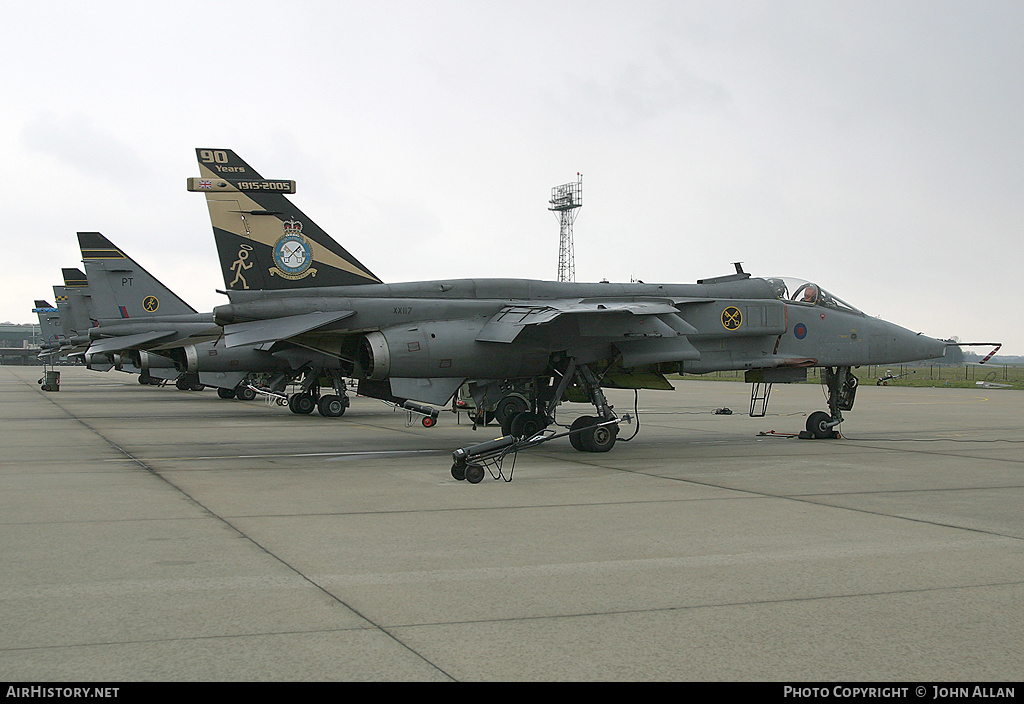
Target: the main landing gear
(243, 392)
(188, 381)
(841, 386)
(329, 405)
(528, 427)
(587, 433)
(308, 398)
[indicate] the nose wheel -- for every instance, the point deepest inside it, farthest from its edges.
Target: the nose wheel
(842, 389)
(820, 426)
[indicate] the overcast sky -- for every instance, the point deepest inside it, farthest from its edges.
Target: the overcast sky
(874, 147)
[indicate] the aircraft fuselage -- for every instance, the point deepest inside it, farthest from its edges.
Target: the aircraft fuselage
(443, 328)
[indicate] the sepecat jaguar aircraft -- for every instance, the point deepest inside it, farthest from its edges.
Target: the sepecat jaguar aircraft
(292, 285)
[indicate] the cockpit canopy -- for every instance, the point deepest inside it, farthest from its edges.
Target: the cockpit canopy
(796, 290)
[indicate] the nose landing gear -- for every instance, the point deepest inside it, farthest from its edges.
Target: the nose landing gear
(842, 390)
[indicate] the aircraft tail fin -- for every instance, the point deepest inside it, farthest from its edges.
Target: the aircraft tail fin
(263, 240)
(119, 287)
(73, 303)
(74, 278)
(49, 320)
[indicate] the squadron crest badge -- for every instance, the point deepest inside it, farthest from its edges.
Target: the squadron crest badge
(292, 253)
(732, 318)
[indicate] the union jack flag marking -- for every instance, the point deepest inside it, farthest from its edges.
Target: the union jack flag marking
(206, 184)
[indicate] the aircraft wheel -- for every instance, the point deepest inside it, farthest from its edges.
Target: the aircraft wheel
(301, 404)
(526, 425)
(599, 438)
(331, 406)
(244, 393)
(817, 424)
(459, 471)
(576, 431)
(182, 384)
(226, 393)
(508, 407)
(506, 424)
(474, 473)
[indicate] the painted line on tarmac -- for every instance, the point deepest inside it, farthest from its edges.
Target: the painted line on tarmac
(363, 453)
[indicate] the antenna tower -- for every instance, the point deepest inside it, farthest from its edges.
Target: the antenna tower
(565, 201)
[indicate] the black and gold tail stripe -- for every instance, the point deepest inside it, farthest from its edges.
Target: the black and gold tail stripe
(96, 246)
(74, 278)
(102, 254)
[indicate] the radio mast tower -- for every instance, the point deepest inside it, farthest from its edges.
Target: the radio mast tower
(565, 201)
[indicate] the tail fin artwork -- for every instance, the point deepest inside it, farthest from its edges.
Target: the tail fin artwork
(263, 240)
(120, 288)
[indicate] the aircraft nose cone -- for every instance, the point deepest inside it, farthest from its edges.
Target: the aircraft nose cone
(930, 348)
(914, 346)
(897, 344)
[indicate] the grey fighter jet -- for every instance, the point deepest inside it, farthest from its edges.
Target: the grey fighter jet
(131, 307)
(68, 323)
(77, 317)
(73, 306)
(155, 330)
(422, 340)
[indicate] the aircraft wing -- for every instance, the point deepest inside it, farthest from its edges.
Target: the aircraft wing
(661, 314)
(124, 342)
(506, 325)
(259, 331)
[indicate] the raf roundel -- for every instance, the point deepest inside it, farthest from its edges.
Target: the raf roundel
(800, 330)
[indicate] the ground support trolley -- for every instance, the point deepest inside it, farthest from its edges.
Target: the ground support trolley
(470, 463)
